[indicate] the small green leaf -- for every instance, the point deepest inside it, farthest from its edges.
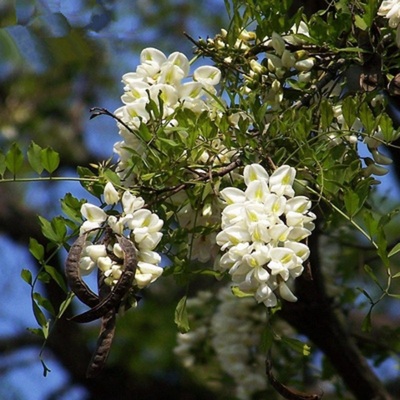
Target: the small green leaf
(36, 331)
(360, 23)
(26, 275)
(181, 316)
(55, 230)
(38, 313)
(326, 114)
(395, 250)
(65, 304)
(396, 275)
(238, 293)
(372, 275)
(43, 302)
(351, 202)
(298, 346)
(366, 324)
(71, 207)
(58, 278)
(349, 110)
(367, 118)
(50, 159)
(2, 164)
(14, 159)
(34, 157)
(36, 249)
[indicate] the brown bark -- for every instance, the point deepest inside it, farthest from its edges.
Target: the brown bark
(314, 316)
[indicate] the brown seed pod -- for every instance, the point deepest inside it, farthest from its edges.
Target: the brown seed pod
(106, 334)
(72, 273)
(113, 299)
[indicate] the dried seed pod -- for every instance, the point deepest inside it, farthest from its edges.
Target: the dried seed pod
(113, 299)
(72, 273)
(106, 334)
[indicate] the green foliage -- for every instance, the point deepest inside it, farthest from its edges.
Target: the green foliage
(284, 98)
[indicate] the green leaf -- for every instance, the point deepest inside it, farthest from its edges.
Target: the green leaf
(65, 304)
(297, 345)
(43, 302)
(26, 275)
(181, 316)
(395, 250)
(55, 230)
(14, 159)
(2, 164)
(71, 207)
(34, 157)
(360, 23)
(366, 324)
(238, 293)
(326, 114)
(36, 249)
(396, 275)
(112, 177)
(352, 203)
(58, 278)
(349, 110)
(50, 159)
(386, 125)
(38, 313)
(367, 118)
(372, 275)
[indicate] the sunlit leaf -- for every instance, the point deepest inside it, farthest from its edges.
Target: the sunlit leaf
(50, 159)
(36, 249)
(14, 159)
(57, 277)
(181, 316)
(35, 158)
(26, 275)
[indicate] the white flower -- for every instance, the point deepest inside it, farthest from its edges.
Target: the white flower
(151, 54)
(254, 172)
(390, 9)
(111, 196)
(86, 265)
(131, 203)
(93, 213)
(146, 273)
(207, 75)
(94, 251)
(281, 181)
(95, 217)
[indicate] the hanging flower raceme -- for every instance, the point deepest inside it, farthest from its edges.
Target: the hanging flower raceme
(139, 225)
(262, 232)
(164, 82)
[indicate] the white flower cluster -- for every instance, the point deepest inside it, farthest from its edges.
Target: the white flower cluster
(236, 329)
(262, 228)
(390, 9)
(138, 224)
(279, 63)
(161, 80)
(377, 165)
(233, 331)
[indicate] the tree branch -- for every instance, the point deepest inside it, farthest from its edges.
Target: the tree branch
(314, 316)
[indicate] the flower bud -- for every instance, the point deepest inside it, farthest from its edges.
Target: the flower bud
(278, 43)
(380, 158)
(288, 59)
(304, 65)
(257, 67)
(111, 196)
